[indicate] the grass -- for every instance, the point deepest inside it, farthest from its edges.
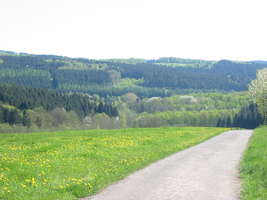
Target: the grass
(72, 164)
(254, 167)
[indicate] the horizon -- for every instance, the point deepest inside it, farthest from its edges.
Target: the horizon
(71, 57)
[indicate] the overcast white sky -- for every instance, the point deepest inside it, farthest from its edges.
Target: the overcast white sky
(207, 29)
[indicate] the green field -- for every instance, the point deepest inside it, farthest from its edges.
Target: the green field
(254, 167)
(72, 164)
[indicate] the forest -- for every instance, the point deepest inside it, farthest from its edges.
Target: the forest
(43, 108)
(41, 92)
(161, 77)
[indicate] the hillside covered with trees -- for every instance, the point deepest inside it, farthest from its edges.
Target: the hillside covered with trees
(43, 108)
(47, 91)
(115, 77)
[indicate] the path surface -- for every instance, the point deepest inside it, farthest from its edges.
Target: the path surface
(208, 171)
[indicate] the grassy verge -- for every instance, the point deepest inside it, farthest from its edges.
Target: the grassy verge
(72, 164)
(254, 167)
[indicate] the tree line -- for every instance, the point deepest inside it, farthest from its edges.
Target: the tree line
(25, 98)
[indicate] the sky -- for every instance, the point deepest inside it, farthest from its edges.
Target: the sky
(201, 29)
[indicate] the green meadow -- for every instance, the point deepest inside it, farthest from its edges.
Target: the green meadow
(254, 167)
(72, 164)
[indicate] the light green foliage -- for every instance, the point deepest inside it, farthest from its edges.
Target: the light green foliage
(82, 66)
(70, 64)
(182, 118)
(103, 121)
(115, 76)
(180, 62)
(56, 119)
(121, 84)
(128, 82)
(258, 92)
(8, 106)
(126, 61)
(254, 167)
(182, 65)
(197, 109)
(1, 61)
(130, 98)
(127, 117)
(68, 165)
(40, 120)
(112, 90)
(193, 102)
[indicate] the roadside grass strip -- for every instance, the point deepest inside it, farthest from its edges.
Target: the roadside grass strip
(68, 165)
(254, 167)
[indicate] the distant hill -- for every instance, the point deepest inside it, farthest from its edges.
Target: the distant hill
(259, 61)
(115, 77)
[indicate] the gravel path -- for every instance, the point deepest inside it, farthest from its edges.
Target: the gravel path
(208, 171)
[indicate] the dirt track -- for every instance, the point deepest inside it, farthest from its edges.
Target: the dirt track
(208, 171)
